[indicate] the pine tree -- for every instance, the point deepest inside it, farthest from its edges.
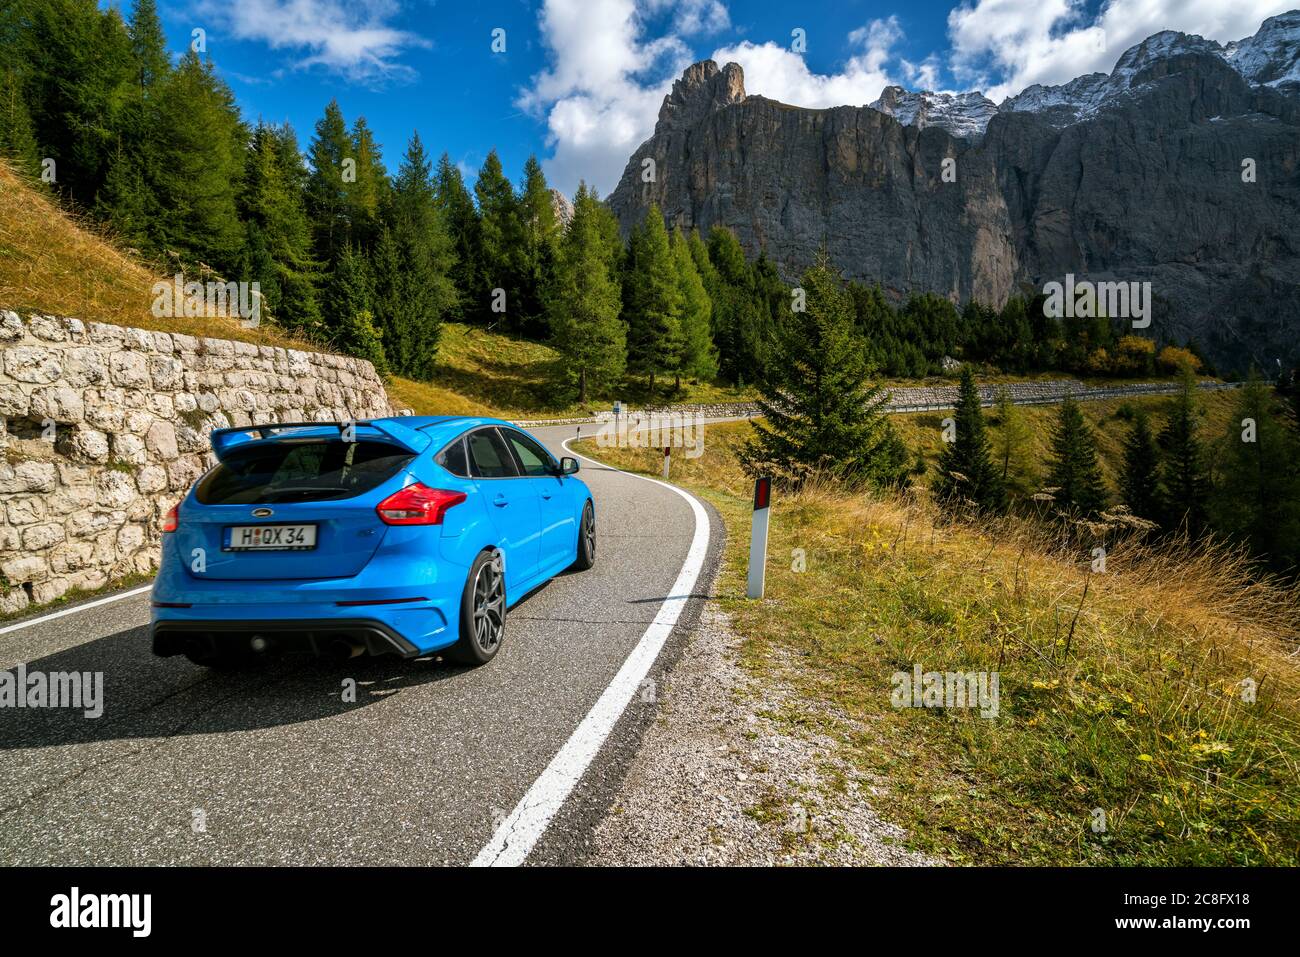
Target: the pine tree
(458, 212)
(1256, 494)
(17, 139)
(1183, 473)
(1139, 485)
(77, 69)
(365, 188)
(123, 201)
(149, 45)
(821, 411)
(708, 275)
(966, 473)
(359, 336)
(739, 310)
(540, 233)
(582, 298)
(1011, 445)
(653, 304)
(200, 167)
(272, 206)
(327, 193)
(697, 356)
(501, 240)
(1074, 472)
(413, 261)
(350, 290)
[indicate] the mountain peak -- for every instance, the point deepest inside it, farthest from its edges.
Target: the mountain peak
(1272, 56)
(961, 114)
(703, 87)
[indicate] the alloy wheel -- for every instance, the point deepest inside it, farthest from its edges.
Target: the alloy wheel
(489, 607)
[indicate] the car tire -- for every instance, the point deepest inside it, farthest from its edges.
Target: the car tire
(586, 539)
(482, 612)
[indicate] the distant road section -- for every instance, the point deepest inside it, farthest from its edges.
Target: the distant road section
(920, 399)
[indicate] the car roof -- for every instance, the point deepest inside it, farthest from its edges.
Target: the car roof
(445, 427)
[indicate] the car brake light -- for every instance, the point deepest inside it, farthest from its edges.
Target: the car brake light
(172, 520)
(417, 505)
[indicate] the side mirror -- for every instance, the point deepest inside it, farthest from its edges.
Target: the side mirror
(568, 466)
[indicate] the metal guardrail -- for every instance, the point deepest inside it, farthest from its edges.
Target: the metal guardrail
(1083, 395)
(987, 400)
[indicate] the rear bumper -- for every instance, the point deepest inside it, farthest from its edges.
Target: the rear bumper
(319, 636)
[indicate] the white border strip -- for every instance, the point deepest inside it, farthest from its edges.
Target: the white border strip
(74, 609)
(518, 834)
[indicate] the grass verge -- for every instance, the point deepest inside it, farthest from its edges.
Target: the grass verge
(1124, 734)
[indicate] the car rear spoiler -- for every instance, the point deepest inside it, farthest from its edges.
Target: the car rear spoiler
(223, 440)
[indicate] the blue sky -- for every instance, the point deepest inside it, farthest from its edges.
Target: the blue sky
(580, 81)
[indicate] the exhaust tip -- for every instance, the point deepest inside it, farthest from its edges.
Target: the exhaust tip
(344, 648)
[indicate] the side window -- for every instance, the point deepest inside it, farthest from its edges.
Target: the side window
(534, 458)
(452, 458)
(488, 455)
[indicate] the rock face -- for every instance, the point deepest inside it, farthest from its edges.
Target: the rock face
(562, 207)
(789, 180)
(1180, 168)
(103, 428)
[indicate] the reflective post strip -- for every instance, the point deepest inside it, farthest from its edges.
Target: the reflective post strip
(758, 537)
(668, 458)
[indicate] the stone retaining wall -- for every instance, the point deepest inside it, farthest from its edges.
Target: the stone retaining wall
(103, 428)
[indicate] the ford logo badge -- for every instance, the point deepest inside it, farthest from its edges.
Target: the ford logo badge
(262, 513)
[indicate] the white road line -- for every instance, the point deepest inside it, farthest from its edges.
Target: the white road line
(519, 832)
(72, 611)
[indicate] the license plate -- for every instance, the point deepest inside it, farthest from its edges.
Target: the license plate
(274, 538)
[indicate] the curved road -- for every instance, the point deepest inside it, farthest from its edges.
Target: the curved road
(433, 764)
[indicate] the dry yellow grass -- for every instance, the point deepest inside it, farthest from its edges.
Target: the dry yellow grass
(54, 262)
(1123, 692)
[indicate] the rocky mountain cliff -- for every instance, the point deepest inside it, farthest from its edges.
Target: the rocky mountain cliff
(1135, 176)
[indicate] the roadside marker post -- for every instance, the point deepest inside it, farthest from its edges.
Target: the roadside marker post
(758, 537)
(668, 458)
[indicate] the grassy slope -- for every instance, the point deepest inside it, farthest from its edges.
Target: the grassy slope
(1138, 712)
(50, 262)
(480, 372)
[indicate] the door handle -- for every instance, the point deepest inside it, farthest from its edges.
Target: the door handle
(546, 494)
(500, 501)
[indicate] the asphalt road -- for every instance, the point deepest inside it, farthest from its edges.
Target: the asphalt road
(271, 766)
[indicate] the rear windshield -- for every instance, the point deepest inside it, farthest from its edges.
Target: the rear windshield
(314, 470)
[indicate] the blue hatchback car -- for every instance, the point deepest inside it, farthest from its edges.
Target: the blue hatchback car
(406, 535)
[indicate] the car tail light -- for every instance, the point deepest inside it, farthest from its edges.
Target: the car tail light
(172, 520)
(417, 505)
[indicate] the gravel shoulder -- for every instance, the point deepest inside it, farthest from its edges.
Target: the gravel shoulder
(720, 781)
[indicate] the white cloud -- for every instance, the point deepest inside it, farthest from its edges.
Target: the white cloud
(779, 73)
(607, 78)
(351, 37)
(602, 92)
(923, 75)
(1005, 45)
